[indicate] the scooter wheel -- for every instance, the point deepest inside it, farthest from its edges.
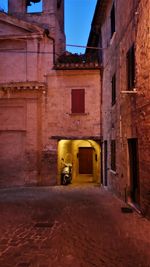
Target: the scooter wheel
(65, 180)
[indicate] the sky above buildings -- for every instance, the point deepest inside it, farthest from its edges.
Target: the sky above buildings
(78, 18)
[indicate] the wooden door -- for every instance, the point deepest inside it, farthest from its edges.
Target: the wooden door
(134, 172)
(85, 160)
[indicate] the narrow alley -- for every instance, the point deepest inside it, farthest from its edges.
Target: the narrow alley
(77, 226)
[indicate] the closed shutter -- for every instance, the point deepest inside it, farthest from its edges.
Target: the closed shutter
(78, 100)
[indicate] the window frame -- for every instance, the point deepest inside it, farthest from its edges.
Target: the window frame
(78, 94)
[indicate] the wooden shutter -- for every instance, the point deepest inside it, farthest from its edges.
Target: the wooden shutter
(78, 100)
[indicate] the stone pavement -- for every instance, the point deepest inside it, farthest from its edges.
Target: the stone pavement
(76, 226)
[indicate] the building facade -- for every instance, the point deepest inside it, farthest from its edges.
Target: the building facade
(49, 107)
(121, 30)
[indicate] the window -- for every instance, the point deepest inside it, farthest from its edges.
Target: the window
(78, 101)
(113, 86)
(130, 68)
(112, 19)
(58, 3)
(113, 155)
(4, 6)
(34, 6)
(100, 53)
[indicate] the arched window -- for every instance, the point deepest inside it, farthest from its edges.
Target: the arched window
(34, 6)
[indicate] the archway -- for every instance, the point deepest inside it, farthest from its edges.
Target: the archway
(84, 155)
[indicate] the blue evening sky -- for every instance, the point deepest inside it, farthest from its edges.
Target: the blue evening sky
(78, 18)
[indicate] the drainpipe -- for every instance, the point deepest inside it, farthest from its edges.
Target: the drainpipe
(46, 32)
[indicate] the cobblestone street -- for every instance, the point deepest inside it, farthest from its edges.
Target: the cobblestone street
(70, 226)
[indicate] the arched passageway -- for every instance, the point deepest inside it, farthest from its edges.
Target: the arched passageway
(84, 155)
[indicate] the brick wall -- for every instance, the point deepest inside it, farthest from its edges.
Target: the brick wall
(129, 117)
(143, 99)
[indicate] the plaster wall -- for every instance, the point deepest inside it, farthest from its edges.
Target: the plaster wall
(25, 60)
(63, 122)
(19, 139)
(26, 56)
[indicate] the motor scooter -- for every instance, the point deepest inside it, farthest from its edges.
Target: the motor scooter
(66, 174)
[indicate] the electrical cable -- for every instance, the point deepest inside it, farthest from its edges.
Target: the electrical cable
(43, 52)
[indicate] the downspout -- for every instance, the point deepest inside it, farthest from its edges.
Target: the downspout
(46, 32)
(101, 125)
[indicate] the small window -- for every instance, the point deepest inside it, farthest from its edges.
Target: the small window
(113, 155)
(78, 101)
(131, 68)
(34, 6)
(100, 53)
(59, 3)
(113, 86)
(4, 6)
(112, 18)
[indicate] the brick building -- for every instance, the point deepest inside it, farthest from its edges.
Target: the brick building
(121, 29)
(49, 106)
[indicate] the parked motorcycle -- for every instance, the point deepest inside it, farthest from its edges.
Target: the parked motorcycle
(66, 174)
